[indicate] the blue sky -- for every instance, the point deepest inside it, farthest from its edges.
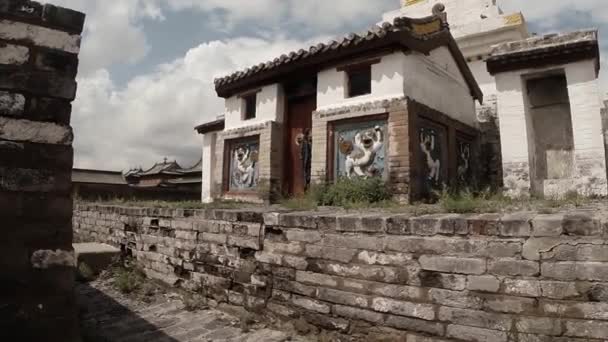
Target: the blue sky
(147, 66)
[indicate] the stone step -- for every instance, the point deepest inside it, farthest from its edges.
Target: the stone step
(97, 256)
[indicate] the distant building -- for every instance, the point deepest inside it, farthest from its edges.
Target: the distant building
(99, 184)
(167, 175)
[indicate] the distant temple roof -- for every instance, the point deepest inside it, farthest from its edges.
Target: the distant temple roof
(554, 48)
(423, 35)
(166, 168)
(97, 177)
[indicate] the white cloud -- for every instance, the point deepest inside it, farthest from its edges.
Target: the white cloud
(155, 114)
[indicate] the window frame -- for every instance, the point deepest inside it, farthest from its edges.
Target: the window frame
(249, 113)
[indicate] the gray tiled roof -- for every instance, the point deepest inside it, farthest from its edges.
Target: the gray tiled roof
(552, 40)
(404, 31)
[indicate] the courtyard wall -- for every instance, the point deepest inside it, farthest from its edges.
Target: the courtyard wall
(488, 277)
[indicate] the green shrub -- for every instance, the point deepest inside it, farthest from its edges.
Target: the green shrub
(353, 193)
(85, 273)
(128, 279)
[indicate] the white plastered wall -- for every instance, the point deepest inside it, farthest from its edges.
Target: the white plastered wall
(585, 107)
(270, 107)
(209, 164)
(387, 82)
(437, 82)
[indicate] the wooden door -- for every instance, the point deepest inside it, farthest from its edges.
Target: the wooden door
(298, 139)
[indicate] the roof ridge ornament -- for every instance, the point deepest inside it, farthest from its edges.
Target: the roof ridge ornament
(439, 11)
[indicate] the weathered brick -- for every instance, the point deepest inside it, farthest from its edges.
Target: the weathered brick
(358, 314)
(374, 258)
(581, 224)
(524, 288)
(375, 273)
(330, 253)
(443, 280)
(13, 54)
(458, 299)
(483, 283)
(316, 279)
(303, 235)
(509, 304)
(310, 304)
(547, 225)
(359, 223)
(56, 61)
(35, 132)
(511, 267)
(65, 18)
(341, 297)
(517, 224)
(354, 241)
(539, 325)
(588, 329)
(453, 265)
(408, 309)
(418, 325)
(11, 104)
(398, 225)
(575, 309)
(474, 318)
(467, 333)
(559, 290)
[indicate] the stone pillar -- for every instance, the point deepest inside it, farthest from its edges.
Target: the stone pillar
(39, 47)
(209, 165)
(514, 133)
(585, 105)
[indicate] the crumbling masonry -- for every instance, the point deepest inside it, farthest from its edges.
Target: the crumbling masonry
(39, 47)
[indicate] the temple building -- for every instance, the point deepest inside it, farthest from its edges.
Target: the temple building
(438, 94)
(167, 175)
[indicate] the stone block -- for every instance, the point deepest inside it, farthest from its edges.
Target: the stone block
(330, 253)
(95, 255)
(310, 304)
(35, 132)
(523, 288)
(571, 309)
(316, 279)
(533, 247)
(360, 223)
(14, 54)
(417, 325)
(408, 309)
(341, 297)
(473, 318)
(375, 258)
(453, 265)
(559, 290)
(457, 299)
(509, 304)
(373, 243)
(375, 273)
(56, 61)
(581, 224)
(483, 283)
(448, 281)
(358, 314)
(539, 325)
(517, 224)
(65, 18)
(512, 267)
(586, 329)
(467, 333)
(300, 235)
(485, 224)
(503, 249)
(547, 225)
(398, 225)
(11, 104)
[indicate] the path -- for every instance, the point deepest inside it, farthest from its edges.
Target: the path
(109, 316)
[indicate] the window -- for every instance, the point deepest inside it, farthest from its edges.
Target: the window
(359, 81)
(249, 106)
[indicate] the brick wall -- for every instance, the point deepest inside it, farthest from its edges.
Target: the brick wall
(515, 277)
(39, 47)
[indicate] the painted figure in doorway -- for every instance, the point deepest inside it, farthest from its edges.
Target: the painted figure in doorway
(464, 163)
(428, 145)
(361, 154)
(304, 142)
(244, 171)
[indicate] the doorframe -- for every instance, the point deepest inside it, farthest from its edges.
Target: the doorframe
(286, 186)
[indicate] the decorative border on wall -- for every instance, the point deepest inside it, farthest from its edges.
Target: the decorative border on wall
(361, 120)
(241, 166)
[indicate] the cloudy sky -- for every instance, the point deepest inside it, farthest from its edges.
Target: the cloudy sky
(147, 66)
